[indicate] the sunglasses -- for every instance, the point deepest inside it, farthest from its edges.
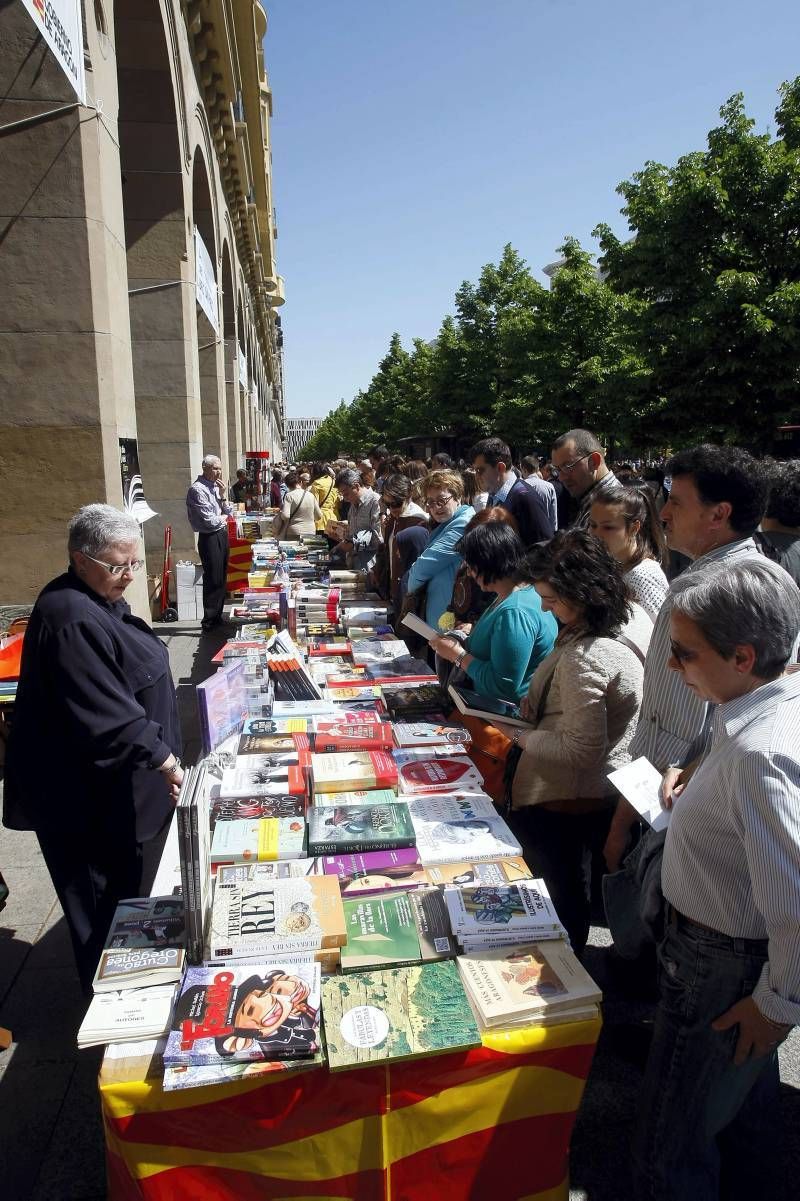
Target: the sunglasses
(393, 503)
(679, 653)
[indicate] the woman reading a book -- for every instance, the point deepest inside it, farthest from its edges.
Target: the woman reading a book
(514, 634)
(96, 702)
(583, 702)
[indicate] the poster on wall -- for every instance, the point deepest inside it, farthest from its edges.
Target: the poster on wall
(205, 281)
(60, 24)
(133, 497)
(242, 369)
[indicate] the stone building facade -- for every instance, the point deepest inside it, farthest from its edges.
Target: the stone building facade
(115, 324)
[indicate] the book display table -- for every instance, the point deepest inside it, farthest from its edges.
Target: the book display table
(494, 1122)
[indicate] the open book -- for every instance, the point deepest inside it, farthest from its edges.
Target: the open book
(489, 708)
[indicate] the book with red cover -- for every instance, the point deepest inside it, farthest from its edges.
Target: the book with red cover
(347, 736)
(319, 647)
(450, 774)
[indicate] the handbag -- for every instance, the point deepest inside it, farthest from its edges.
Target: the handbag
(277, 522)
(633, 900)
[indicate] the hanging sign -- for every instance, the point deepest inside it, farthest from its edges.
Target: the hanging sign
(205, 281)
(242, 369)
(254, 396)
(133, 497)
(59, 22)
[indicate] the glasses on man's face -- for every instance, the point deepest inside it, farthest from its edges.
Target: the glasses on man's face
(438, 502)
(557, 471)
(679, 653)
(118, 569)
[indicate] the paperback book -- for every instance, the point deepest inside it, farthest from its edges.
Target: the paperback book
(371, 796)
(371, 872)
(237, 808)
(186, 1076)
(221, 705)
(378, 650)
(266, 918)
(350, 771)
(397, 1013)
(452, 773)
(450, 828)
(267, 744)
(521, 912)
(246, 1012)
(127, 1015)
(333, 737)
(436, 730)
(279, 869)
(487, 708)
(489, 871)
(381, 932)
(404, 701)
(257, 841)
(145, 945)
(513, 985)
(350, 828)
(262, 775)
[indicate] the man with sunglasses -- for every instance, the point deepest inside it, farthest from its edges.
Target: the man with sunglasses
(578, 462)
(717, 498)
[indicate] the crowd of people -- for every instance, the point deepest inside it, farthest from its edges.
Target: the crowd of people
(640, 612)
(631, 610)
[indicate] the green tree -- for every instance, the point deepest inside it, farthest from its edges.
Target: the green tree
(715, 259)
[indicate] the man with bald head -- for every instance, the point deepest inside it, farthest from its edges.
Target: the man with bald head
(578, 461)
(207, 508)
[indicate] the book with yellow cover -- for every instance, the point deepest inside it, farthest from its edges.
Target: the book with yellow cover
(277, 917)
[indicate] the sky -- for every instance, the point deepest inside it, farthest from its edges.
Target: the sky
(411, 141)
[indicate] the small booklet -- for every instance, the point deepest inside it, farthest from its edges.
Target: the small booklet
(419, 626)
(640, 782)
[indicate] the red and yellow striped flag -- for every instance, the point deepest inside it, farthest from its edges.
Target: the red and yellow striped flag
(492, 1122)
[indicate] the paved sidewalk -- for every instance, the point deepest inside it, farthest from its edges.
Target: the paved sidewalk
(51, 1139)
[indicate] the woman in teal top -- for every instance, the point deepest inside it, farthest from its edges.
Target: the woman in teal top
(514, 634)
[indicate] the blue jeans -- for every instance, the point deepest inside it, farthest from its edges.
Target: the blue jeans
(706, 1128)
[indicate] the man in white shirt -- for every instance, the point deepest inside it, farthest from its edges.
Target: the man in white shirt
(206, 509)
(730, 960)
(529, 470)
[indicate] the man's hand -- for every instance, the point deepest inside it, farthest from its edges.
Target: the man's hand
(614, 847)
(671, 787)
(757, 1035)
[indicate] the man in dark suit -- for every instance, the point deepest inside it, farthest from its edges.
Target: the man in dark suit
(491, 461)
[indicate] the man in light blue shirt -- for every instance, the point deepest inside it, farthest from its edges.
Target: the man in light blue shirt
(206, 509)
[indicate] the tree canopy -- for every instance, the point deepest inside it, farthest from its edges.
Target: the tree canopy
(686, 329)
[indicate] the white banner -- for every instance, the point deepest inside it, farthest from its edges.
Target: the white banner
(254, 396)
(59, 22)
(205, 282)
(242, 369)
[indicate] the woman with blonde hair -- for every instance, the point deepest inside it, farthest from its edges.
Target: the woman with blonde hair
(435, 569)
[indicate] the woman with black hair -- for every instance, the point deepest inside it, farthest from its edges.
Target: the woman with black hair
(513, 635)
(583, 702)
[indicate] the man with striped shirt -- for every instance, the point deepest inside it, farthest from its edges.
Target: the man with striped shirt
(718, 496)
(729, 978)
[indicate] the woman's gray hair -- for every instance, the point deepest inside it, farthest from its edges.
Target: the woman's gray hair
(755, 603)
(349, 478)
(96, 527)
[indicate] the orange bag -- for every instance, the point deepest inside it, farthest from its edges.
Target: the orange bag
(11, 656)
(488, 752)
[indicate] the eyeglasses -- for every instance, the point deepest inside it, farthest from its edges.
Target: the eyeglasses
(118, 569)
(679, 653)
(393, 503)
(437, 502)
(557, 471)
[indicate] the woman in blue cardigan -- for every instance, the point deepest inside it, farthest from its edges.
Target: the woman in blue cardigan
(514, 634)
(436, 567)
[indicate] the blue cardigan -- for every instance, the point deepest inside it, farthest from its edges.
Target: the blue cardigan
(439, 562)
(509, 641)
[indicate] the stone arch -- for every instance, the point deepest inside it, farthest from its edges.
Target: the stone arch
(208, 326)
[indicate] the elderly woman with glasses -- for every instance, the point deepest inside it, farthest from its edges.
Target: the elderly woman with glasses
(436, 567)
(95, 702)
(729, 960)
(396, 555)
